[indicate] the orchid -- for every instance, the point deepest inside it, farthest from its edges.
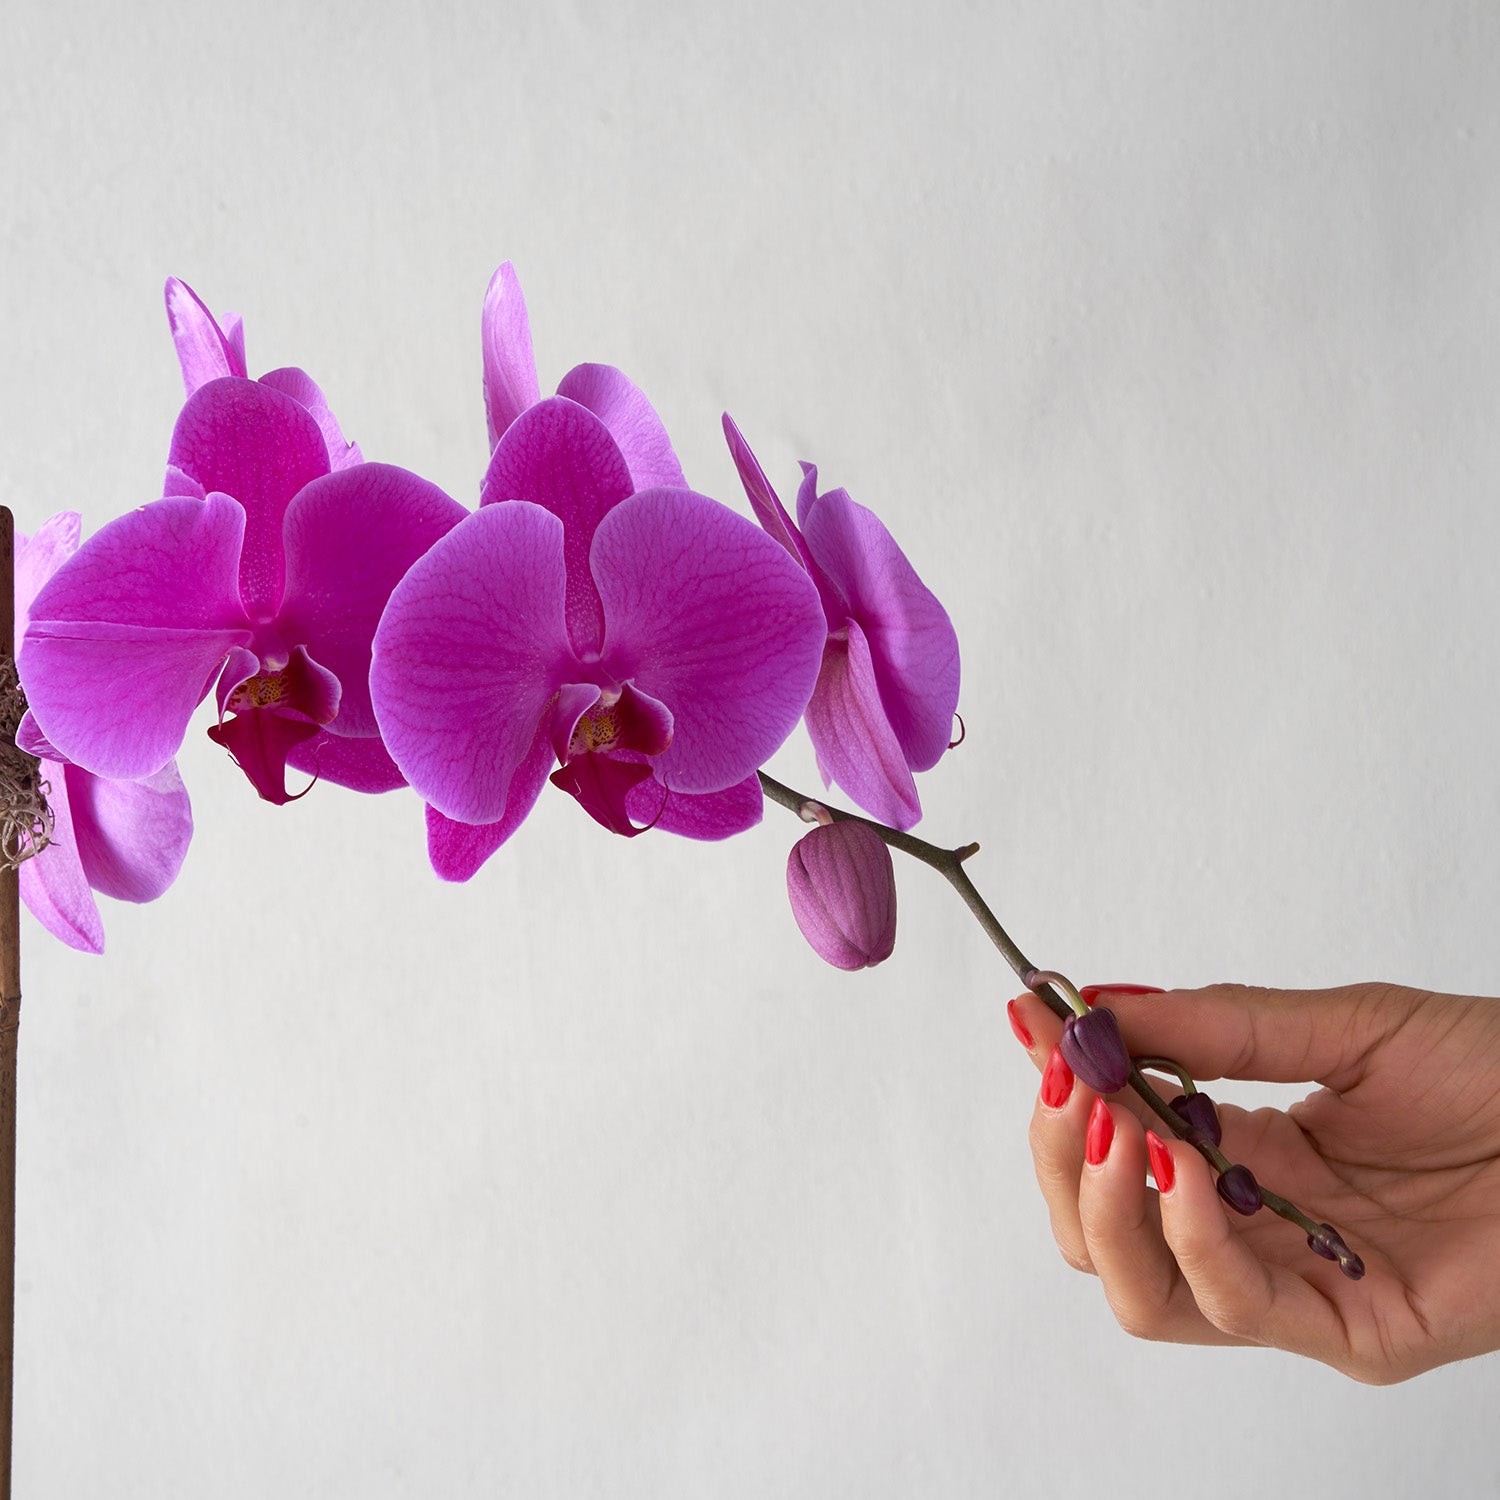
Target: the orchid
(210, 350)
(651, 644)
(888, 684)
(125, 839)
(264, 574)
(511, 387)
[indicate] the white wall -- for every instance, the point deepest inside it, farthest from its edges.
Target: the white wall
(1164, 336)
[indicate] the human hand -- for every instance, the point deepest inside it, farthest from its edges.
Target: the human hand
(1399, 1148)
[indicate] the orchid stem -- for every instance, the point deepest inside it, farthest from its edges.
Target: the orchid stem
(949, 863)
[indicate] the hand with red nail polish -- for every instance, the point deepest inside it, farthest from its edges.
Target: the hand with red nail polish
(1398, 1151)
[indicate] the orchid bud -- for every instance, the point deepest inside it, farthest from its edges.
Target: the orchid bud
(1093, 1047)
(1239, 1189)
(1198, 1113)
(843, 891)
(1329, 1243)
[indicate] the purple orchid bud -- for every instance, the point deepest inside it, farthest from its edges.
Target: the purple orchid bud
(843, 892)
(1239, 1189)
(1093, 1047)
(1329, 1243)
(1198, 1112)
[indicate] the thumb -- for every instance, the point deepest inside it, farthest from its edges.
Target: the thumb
(1282, 1036)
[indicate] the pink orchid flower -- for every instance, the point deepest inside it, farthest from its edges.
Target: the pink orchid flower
(888, 685)
(652, 645)
(210, 350)
(265, 574)
(511, 387)
(125, 839)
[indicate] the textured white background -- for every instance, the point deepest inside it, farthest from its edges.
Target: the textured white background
(1163, 336)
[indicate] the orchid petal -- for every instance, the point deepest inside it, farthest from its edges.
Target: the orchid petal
(303, 389)
(350, 537)
(633, 423)
(574, 700)
(510, 383)
(259, 741)
(855, 743)
(835, 601)
(711, 617)
(239, 667)
(698, 815)
(204, 350)
(245, 440)
(362, 764)
(132, 836)
(468, 656)
(39, 556)
(53, 885)
(561, 457)
(30, 738)
(913, 647)
(233, 327)
(176, 484)
(764, 500)
(126, 637)
(457, 850)
(601, 785)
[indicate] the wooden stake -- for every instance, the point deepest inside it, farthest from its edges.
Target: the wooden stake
(10, 1020)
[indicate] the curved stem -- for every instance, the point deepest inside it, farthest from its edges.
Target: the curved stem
(949, 863)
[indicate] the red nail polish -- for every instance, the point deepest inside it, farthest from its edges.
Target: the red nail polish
(1057, 1081)
(1091, 992)
(1101, 1133)
(1018, 1026)
(1162, 1168)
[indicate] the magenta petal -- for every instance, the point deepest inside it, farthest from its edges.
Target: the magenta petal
(457, 850)
(510, 383)
(764, 500)
(469, 655)
(698, 815)
(132, 836)
(39, 556)
(301, 387)
(239, 667)
(912, 643)
(126, 637)
(259, 739)
(204, 351)
(362, 764)
(245, 440)
(176, 484)
(855, 743)
(602, 784)
(713, 619)
(53, 884)
(561, 457)
(633, 423)
(30, 738)
(574, 699)
(774, 520)
(350, 537)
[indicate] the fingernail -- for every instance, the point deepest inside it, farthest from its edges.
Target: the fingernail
(1018, 1026)
(1162, 1168)
(1057, 1081)
(1091, 992)
(1101, 1132)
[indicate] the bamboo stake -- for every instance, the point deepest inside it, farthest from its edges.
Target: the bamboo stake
(10, 1020)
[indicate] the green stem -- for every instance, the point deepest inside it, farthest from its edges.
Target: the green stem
(949, 863)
